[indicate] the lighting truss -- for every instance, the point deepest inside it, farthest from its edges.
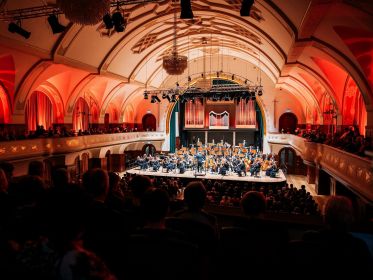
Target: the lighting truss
(44, 11)
(217, 92)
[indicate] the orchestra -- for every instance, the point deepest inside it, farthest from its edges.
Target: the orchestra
(220, 158)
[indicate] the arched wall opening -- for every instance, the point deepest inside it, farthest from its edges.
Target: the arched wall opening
(288, 122)
(149, 122)
(38, 112)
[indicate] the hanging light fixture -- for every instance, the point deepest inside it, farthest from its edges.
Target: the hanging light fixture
(85, 12)
(175, 64)
(204, 84)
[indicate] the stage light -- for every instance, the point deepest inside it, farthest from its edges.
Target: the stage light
(108, 21)
(173, 98)
(55, 25)
(186, 9)
(146, 95)
(246, 7)
(217, 74)
(118, 21)
(233, 77)
(260, 92)
(15, 28)
(189, 79)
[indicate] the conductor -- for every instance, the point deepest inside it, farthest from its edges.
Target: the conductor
(199, 158)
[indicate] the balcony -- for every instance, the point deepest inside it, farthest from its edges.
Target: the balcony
(29, 148)
(352, 170)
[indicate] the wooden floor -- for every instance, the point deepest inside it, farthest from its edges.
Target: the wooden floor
(298, 180)
(262, 178)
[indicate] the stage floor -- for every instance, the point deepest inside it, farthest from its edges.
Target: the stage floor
(232, 177)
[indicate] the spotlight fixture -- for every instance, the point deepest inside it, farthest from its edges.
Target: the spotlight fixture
(217, 74)
(55, 25)
(16, 28)
(186, 9)
(155, 99)
(108, 21)
(260, 92)
(146, 95)
(246, 7)
(118, 21)
(233, 77)
(189, 79)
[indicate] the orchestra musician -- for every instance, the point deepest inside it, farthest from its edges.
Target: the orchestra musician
(199, 158)
(220, 160)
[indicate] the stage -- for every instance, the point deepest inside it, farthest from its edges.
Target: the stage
(262, 178)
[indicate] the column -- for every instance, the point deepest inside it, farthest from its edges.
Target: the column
(117, 162)
(311, 174)
(322, 181)
(234, 139)
(333, 186)
(206, 137)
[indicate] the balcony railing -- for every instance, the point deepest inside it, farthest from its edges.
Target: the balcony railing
(12, 150)
(355, 171)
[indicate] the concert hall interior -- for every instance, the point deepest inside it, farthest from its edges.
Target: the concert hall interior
(214, 136)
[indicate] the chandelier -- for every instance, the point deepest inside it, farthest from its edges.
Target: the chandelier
(175, 64)
(85, 12)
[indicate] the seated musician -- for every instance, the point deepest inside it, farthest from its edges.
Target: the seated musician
(171, 165)
(182, 166)
(156, 165)
(224, 167)
(272, 170)
(255, 168)
(241, 168)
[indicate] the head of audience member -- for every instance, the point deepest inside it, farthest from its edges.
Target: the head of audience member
(138, 186)
(36, 168)
(60, 178)
(155, 204)
(3, 182)
(29, 190)
(253, 204)
(8, 169)
(195, 196)
(339, 214)
(114, 180)
(98, 184)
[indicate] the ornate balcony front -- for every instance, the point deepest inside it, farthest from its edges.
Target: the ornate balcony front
(354, 171)
(23, 149)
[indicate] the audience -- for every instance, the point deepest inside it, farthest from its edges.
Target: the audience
(349, 140)
(137, 227)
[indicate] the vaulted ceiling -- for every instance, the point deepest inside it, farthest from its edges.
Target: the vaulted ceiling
(308, 48)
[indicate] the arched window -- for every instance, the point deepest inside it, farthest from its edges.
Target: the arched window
(39, 111)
